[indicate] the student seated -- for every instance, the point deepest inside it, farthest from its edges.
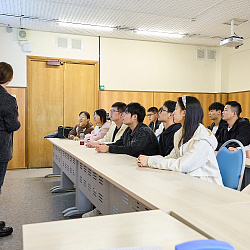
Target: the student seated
(137, 139)
(84, 126)
(153, 118)
(101, 128)
(215, 114)
(166, 139)
(194, 145)
(117, 128)
(236, 127)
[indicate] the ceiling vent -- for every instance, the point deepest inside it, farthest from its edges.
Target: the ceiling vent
(200, 54)
(69, 43)
(205, 54)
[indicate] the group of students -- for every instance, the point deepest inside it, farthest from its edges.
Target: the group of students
(175, 138)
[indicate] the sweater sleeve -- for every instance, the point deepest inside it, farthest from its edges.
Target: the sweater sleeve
(194, 158)
(72, 133)
(10, 118)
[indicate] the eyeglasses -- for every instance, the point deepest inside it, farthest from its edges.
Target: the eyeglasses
(113, 111)
(184, 100)
(164, 111)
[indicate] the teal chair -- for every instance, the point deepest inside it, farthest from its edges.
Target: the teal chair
(232, 165)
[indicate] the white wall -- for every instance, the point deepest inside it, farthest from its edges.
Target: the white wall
(154, 66)
(43, 44)
(239, 68)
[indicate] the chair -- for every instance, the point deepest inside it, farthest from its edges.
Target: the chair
(232, 165)
(204, 244)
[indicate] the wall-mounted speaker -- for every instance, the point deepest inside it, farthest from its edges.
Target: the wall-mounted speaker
(22, 35)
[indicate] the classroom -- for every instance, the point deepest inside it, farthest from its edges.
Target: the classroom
(74, 56)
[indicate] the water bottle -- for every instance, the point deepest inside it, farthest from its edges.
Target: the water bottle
(82, 139)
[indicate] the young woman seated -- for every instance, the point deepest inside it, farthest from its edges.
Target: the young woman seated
(194, 145)
(84, 126)
(101, 128)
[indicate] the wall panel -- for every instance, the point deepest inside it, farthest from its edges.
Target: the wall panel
(18, 161)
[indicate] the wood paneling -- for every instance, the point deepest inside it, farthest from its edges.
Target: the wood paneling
(242, 98)
(45, 110)
(221, 97)
(204, 98)
(18, 161)
(107, 98)
(80, 92)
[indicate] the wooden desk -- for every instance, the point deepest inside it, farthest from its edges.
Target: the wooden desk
(112, 231)
(228, 223)
(152, 188)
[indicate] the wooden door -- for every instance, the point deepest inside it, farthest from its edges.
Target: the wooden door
(45, 110)
(80, 91)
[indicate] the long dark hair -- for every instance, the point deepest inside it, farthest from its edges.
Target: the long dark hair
(103, 115)
(193, 117)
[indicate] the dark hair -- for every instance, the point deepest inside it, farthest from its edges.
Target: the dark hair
(103, 115)
(135, 108)
(6, 72)
(153, 110)
(120, 106)
(235, 106)
(170, 105)
(85, 113)
(216, 106)
(193, 117)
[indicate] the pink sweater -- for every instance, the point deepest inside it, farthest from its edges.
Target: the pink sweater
(94, 136)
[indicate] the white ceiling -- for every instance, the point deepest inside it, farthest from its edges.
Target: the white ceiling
(151, 15)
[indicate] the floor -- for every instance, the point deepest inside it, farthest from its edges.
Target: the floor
(26, 198)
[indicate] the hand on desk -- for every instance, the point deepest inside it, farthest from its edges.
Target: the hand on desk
(102, 148)
(142, 161)
(248, 153)
(76, 138)
(232, 149)
(92, 144)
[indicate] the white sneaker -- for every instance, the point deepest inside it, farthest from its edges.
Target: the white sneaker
(92, 213)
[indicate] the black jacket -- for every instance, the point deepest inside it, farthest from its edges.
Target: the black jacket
(8, 123)
(141, 140)
(222, 124)
(154, 126)
(239, 131)
(166, 139)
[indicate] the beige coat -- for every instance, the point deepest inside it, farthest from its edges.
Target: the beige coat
(109, 136)
(196, 157)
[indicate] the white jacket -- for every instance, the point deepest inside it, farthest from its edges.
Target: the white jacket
(196, 157)
(109, 136)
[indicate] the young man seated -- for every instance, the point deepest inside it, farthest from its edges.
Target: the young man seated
(137, 139)
(166, 139)
(84, 126)
(215, 114)
(153, 118)
(236, 127)
(117, 128)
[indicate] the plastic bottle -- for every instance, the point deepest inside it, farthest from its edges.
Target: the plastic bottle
(82, 139)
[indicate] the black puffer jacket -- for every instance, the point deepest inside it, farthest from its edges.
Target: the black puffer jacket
(141, 140)
(8, 123)
(221, 125)
(239, 131)
(166, 139)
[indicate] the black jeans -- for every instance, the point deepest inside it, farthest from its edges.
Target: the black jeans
(3, 167)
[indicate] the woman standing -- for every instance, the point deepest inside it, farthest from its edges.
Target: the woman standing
(8, 124)
(194, 145)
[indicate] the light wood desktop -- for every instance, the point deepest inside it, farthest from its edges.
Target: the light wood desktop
(112, 231)
(228, 223)
(157, 189)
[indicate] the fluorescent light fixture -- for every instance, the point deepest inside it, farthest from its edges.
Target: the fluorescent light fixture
(85, 26)
(157, 33)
